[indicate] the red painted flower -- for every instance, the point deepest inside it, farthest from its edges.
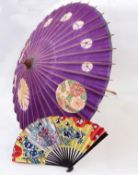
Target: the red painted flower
(81, 122)
(17, 152)
(96, 134)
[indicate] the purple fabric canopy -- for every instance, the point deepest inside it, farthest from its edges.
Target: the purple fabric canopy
(65, 65)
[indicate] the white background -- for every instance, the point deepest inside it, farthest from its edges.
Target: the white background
(118, 153)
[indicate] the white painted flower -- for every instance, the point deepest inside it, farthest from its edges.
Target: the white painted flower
(87, 66)
(48, 22)
(86, 43)
(23, 95)
(66, 17)
(78, 25)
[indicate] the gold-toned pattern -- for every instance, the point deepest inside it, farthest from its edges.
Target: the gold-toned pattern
(71, 96)
(23, 94)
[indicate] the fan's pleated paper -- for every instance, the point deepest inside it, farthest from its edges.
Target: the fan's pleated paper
(55, 140)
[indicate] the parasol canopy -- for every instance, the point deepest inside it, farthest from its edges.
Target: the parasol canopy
(64, 67)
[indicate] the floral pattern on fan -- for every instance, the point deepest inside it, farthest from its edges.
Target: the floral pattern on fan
(23, 95)
(29, 152)
(71, 96)
(69, 133)
(77, 137)
(43, 133)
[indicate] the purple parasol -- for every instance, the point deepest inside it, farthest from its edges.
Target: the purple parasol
(65, 65)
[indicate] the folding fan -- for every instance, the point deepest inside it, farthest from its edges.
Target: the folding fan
(59, 141)
(64, 67)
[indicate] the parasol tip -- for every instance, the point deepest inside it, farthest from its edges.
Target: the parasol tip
(28, 63)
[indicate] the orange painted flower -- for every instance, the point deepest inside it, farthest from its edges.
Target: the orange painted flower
(76, 89)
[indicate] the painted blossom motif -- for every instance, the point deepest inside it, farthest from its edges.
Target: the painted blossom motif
(43, 133)
(71, 96)
(86, 43)
(66, 17)
(81, 122)
(87, 66)
(23, 95)
(48, 22)
(17, 152)
(78, 25)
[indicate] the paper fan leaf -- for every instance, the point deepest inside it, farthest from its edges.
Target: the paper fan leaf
(77, 137)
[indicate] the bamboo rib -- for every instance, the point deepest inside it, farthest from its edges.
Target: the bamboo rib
(49, 107)
(59, 28)
(79, 62)
(39, 100)
(86, 87)
(64, 78)
(55, 101)
(41, 30)
(90, 106)
(32, 92)
(51, 97)
(77, 73)
(61, 37)
(73, 46)
(78, 53)
(110, 91)
(77, 36)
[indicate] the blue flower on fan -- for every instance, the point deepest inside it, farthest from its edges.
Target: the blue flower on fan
(31, 152)
(70, 134)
